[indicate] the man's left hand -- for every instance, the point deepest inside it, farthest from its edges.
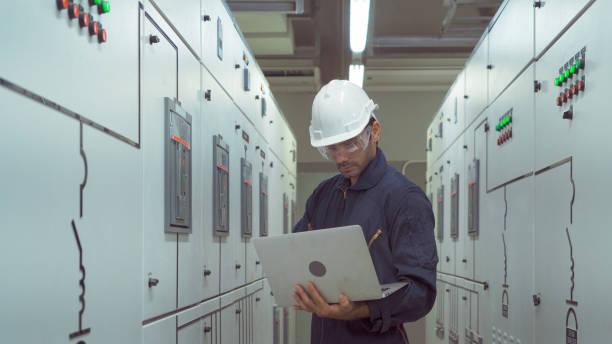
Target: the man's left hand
(313, 302)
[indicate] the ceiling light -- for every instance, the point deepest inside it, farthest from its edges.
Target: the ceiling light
(360, 15)
(356, 74)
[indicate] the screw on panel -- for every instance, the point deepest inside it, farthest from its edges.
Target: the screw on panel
(206, 17)
(489, 67)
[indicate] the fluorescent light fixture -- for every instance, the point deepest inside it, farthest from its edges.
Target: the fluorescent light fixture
(360, 15)
(356, 74)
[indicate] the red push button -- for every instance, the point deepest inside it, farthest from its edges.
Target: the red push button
(73, 11)
(62, 4)
(559, 101)
(568, 93)
(102, 36)
(94, 28)
(581, 85)
(83, 19)
(575, 89)
(564, 97)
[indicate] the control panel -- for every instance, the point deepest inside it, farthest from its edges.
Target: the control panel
(454, 196)
(263, 204)
(504, 128)
(86, 20)
(473, 194)
(220, 186)
(246, 198)
(440, 219)
(571, 81)
(178, 168)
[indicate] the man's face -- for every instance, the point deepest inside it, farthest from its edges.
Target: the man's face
(351, 164)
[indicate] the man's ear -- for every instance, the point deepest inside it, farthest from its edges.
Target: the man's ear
(376, 131)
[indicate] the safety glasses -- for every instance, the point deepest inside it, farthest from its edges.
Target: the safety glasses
(351, 146)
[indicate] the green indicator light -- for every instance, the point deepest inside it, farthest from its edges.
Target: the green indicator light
(557, 82)
(105, 6)
(573, 69)
(561, 78)
(579, 64)
(567, 74)
(97, 2)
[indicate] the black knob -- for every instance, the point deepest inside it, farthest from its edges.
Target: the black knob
(236, 66)
(153, 39)
(207, 329)
(206, 17)
(447, 259)
(207, 95)
(569, 114)
(207, 272)
(536, 300)
(257, 262)
(257, 299)
(257, 97)
(464, 260)
(538, 4)
(464, 298)
(238, 311)
(153, 282)
(448, 290)
(238, 266)
(489, 67)
(465, 96)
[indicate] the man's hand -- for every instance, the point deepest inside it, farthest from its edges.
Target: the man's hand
(313, 302)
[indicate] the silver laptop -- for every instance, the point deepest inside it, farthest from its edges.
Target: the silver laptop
(337, 260)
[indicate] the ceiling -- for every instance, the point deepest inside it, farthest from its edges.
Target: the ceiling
(413, 45)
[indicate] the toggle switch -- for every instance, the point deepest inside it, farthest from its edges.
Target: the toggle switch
(83, 19)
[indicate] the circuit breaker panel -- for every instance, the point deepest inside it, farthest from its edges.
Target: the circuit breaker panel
(220, 186)
(178, 168)
(454, 207)
(263, 204)
(285, 213)
(473, 191)
(246, 201)
(440, 218)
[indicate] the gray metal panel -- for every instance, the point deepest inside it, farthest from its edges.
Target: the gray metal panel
(473, 184)
(510, 50)
(185, 19)
(159, 73)
(211, 329)
(75, 69)
(513, 156)
(160, 332)
(192, 333)
(476, 81)
(454, 204)
(285, 214)
(552, 18)
(178, 168)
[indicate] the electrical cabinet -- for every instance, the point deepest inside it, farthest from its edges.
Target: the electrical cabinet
(476, 80)
(510, 50)
(552, 17)
(159, 71)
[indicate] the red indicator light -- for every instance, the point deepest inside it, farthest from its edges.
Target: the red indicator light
(581, 85)
(73, 11)
(84, 20)
(102, 36)
(62, 4)
(575, 89)
(94, 28)
(568, 94)
(564, 97)
(559, 101)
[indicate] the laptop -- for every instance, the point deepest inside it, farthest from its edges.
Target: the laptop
(337, 260)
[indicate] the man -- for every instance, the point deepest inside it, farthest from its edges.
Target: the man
(395, 215)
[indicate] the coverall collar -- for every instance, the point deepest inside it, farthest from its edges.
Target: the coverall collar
(370, 176)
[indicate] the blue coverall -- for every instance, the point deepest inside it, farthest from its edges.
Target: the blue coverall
(382, 198)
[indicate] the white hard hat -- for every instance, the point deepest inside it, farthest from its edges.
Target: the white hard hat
(340, 111)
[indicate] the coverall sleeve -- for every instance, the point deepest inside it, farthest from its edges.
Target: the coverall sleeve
(414, 257)
(302, 224)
